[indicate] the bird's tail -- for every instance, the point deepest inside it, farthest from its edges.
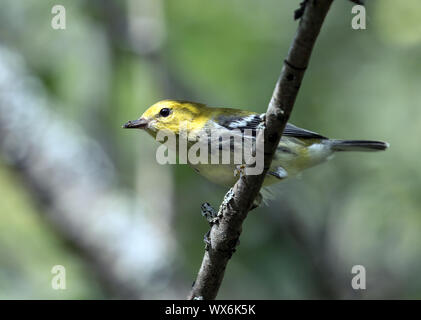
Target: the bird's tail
(358, 145)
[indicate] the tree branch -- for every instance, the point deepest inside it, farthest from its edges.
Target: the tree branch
(225, 233)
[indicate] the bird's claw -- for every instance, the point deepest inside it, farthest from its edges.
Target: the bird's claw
(239, 170)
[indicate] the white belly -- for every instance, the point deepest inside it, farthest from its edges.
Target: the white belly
(293, 162)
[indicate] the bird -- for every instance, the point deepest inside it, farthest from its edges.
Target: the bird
(297, 150)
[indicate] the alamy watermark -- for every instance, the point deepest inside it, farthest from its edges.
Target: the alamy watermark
(59, 19)
(358, 281)
(358, 21)
(58, 282)
(58, 22)
(213, 146)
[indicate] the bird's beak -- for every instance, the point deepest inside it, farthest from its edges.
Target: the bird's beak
(136, 124)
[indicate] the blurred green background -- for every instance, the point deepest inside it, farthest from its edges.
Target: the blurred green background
(78, 191)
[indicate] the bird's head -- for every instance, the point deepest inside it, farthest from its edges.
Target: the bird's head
(171, 115)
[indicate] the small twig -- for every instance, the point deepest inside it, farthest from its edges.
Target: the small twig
(225, 233)
(300, 11)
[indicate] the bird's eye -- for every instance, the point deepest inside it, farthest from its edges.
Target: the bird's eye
(165, 112)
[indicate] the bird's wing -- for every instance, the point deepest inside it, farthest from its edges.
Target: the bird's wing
(252, 121)
(294, 131)
(240, 122)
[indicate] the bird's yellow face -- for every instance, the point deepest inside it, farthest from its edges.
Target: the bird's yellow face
(172, 115)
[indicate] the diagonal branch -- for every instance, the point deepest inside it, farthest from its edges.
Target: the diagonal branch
(225, 233)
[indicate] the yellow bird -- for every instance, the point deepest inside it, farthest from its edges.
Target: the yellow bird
(298, 149)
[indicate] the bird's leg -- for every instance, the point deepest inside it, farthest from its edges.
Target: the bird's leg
(239, 170)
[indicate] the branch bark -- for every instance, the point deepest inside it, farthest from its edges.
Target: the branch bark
(225, 233)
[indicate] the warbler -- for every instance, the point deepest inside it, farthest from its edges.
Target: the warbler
(297, 150)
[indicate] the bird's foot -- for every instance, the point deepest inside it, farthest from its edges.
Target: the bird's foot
(239, 170)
